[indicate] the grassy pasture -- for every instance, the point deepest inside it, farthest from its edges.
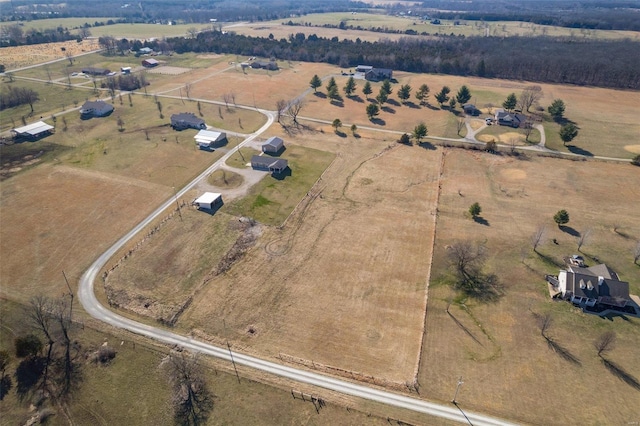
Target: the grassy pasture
(273, 199)
(225, 179)
(67, 23)
(507, 135)
(501, 353)
(236, 160)
(369, 21)
(145, 31)
(22, 56)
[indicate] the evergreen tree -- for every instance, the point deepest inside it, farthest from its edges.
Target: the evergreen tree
(556, 109)
(419, 132)
(422, 94)
(464, 95)
(367, 90)
(350, 87)
(315, 83)
(372, 111)
(568, 132)
(443, 95)
(510, 103)
(386, 86)
(404, 93)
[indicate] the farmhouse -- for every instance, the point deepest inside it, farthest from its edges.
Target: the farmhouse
(512, 119)
(145, 50)
(187, 120)
(594, 289)
(95, 71)
(208, 201)
(33, 131)
(207, 139)
(273, 145)
(378, 74)
(274, 165)
(470, 109)
(150, 63)
(267, 65)
(96, 109)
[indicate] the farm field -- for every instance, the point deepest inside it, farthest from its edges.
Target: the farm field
(68, 23)
(373, 21)
(497, 347)
(146, 31)
(22, 56)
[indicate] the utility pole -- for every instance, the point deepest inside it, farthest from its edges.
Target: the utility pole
(229, 347)
(460, 382)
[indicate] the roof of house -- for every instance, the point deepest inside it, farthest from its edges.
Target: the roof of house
(511, 117)
(151, 61)
(274, 142)
(33, 129)
(208, 198)
(270, 162)
(596, 282)
(99, 106)
(187, 118)
(364, 68)
(207, 136)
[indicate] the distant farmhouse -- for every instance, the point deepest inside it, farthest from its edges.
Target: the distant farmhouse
(273, 165)
(595, 289)
(207, 139)
(375, 74)
(273, 145)
(150, 63)
(33, 131)
(95, 71)
(267, 65)
(145, 51)
(187, 120)
(512, 119)
(95, 109)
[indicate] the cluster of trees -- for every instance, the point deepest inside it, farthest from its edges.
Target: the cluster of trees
(16, 96)
(554, 60)
(128, 82)
(16, 36)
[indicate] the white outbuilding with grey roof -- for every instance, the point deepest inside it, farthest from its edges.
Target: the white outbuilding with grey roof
(208, 200)
(33, 130)
(208, 138)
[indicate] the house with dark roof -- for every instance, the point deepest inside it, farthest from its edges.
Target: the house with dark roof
(95, 109)
(187, 120)
(95, 71)
(470, 109)
(267, 65)
(150, 63)
(378, 74)
(512, 119)
(595, 289)
(273, 145)
(274, 165)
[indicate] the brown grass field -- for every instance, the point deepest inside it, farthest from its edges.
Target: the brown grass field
(22, 56)
(507, 367)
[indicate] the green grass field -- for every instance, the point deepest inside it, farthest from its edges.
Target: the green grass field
(68, 23)
(273, 199)
(145, 31)
(241, 158)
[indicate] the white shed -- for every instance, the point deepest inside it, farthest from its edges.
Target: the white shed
(208, 138)
(208, 200)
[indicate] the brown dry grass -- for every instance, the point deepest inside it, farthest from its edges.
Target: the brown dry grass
(22, 56)
(507, 367)
(58, 218)
(343, 283)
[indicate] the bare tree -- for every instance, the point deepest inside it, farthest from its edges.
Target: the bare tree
(527, 128)
(530, 95)
(460, 125)
(187, 90)
(227, 99)
(62, 316)
(636, 253)
(69, 56)
(48, 71)
(467, 260)
(544, 323)
(84, 32)
(294, 109)
(605, 342)
(191, 400)
(537, 237)
(120, 123)
(281, 107)
(39, 315)
(583, 237)
(192, 32)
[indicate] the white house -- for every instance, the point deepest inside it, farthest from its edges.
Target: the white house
(207, 139)
(208, 200)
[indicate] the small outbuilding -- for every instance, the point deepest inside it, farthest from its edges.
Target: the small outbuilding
(267, 65)
(187, 120)
(274, 165)
(34, 131)
(471, 109)
(207, 139)
(208, 201)
(95, 71)
(145, 50)
(273, 145)
(96, 109)
(150, 63)
(125, 70)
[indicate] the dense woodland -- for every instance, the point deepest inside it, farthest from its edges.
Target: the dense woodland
(613, 64)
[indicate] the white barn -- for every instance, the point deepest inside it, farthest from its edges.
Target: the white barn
(208, 200)
(207, 138)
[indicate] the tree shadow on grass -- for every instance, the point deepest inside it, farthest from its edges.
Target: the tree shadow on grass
(28, 375)
(337, 102)
(433, 108)
(465, 329)
(550, 260)
(427, 145)
(577, 150)
(356, 98)
(388, 109)
(621, 374)
(393, 102)
(378, 121)
(341, 134)
(482, 287)
(320, 95)
(569, 230)
(562, 352)
(481, 221)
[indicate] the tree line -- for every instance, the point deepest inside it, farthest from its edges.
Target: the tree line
(16, 96)
(611, 63)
